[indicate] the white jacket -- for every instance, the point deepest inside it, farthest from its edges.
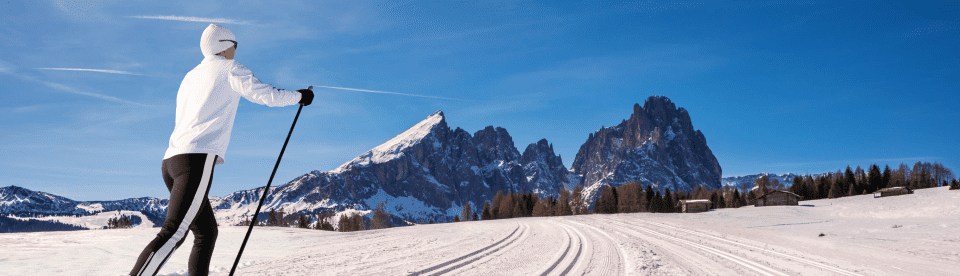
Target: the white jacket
(207, 105)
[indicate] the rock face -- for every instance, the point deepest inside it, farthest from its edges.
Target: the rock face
(656, 146)
(427, 172)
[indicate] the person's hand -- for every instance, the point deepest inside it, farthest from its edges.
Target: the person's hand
(306, 96)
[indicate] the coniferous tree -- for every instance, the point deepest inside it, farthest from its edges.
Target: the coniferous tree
(272, 218)
(667, 204)
(475, 218)
(456, 218)
(885, 178)
(874, 178)
(736, 199)
(506, 206)
(563, 204)
(495, 206)
(303, 221)
(849, 180)
(955, 184)
(577, 204)
(381, 219)
(343, 224)
(649, 194)
(606, 204)
(540, 210)
(467, 211)
(281, 221)
(486, 215)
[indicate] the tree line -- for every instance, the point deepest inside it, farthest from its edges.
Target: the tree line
(851, 182)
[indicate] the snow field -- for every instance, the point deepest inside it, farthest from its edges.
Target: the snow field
(860, 239)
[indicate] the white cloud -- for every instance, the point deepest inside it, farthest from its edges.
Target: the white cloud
(193, 19)
(93, 70)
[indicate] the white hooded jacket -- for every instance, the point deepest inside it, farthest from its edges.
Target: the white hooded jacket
(209, 95)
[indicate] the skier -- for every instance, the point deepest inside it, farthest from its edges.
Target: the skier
(206, 107)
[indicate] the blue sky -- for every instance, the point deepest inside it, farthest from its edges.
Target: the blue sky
(802, 87)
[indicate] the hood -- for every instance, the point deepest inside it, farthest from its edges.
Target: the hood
(210, 41)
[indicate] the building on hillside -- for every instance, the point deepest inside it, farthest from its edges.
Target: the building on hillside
(777, 198)
(892, 191)
(694, 205)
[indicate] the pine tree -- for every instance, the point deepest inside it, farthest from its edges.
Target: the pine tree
(954, 185)
(506, 206)
(495, 207)
(343, 224)
(667, 203)
(456, 218)
(486, 215)
(475, 218)
(849, 180)
(540, 210)
(281, 221)
(563, 204)
(736, 199)
(381, 219)
(649, 195)
(606, 204)
(467, 211)
(874, 178)
(885, 178)
(578, 205)
(272, 218)
(303, 221)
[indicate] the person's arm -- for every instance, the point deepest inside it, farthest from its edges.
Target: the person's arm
(242, 80)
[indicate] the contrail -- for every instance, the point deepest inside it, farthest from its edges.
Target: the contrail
(192, 19)
(93, 70)
(394, 93)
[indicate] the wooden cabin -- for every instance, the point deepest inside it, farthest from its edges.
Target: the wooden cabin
(694, 205)
(777, 198)
(892, 191)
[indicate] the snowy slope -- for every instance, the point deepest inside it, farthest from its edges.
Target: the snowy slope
(394, 148)
(914, 234)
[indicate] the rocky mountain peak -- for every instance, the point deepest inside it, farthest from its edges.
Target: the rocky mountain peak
(656, 146)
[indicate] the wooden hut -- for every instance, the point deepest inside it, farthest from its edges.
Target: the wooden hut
(694, 205)
(777, 198)
(892, 191)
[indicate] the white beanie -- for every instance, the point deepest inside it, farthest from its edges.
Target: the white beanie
(210, 41)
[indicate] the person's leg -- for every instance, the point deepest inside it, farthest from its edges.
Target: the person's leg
(204, 230)
(190, 175)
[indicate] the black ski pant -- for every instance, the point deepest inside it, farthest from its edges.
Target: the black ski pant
(188, 177)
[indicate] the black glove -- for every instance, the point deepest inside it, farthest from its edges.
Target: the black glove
(306, 96)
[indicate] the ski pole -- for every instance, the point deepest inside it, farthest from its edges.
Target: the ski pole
(266, 189)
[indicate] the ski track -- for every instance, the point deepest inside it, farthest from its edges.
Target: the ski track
(820, 265)
(456, 263)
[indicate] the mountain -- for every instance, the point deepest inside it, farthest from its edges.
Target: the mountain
(748, 180)
(23, 203)
(427, 172)
(656, 146)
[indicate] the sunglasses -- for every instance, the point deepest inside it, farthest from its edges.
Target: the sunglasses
(234, 42)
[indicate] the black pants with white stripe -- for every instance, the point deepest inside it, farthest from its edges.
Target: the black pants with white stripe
(188, 177)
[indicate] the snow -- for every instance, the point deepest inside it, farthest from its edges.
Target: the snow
(94, 222)
(916, 234)
(91, 208)
(669, 133)
(394, 147)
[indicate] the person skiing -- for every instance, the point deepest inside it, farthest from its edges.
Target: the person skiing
(206, 107)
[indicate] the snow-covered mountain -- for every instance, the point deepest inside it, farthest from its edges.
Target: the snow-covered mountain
(656, 146)
(427, 172)
(22, 203)
(748, 180)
